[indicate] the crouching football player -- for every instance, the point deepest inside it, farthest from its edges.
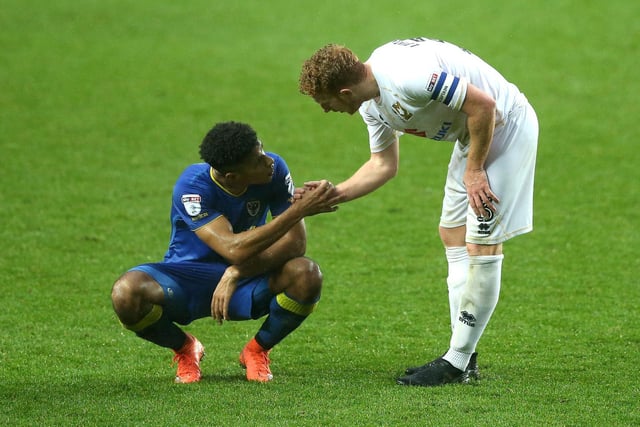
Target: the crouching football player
(224, 259)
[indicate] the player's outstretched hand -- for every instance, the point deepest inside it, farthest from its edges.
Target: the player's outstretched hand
(335, 192)
(298, 193)
(316, 197)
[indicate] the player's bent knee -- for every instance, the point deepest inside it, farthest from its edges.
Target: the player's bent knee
(135, 287)
(306, 278)
(135, 297)
(121, 293)
(453, 237)
(483, 250)
(312, 275)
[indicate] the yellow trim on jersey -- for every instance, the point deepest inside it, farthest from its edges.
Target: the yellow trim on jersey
(294, 306)
(213, 178)
(152, 317)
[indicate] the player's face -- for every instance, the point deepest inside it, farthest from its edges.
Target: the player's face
(258, 167)
(340, 103)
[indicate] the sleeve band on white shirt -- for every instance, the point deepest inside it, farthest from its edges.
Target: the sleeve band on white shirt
(445, 90)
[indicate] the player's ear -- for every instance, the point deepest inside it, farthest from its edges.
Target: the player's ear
(345, 93)
(231, 176)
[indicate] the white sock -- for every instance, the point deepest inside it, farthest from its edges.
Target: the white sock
(477, 304)
(458, 261)
(457, 359)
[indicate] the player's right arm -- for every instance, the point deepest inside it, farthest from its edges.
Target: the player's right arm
(373, 174)
(238, 248)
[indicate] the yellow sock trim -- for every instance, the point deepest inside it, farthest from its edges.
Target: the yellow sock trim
(152, 317)
(294, 306)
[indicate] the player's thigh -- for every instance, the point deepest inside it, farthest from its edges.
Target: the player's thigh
(251, 299)
(510, 164)
(187, 287)
(455, 202)
(510, 168)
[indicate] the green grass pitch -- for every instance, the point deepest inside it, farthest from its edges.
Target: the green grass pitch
(103, 103)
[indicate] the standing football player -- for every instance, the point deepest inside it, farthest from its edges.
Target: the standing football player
(434, 89)
(224, 260)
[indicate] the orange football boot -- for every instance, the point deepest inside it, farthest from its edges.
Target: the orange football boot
(256, 360)
(188, 359)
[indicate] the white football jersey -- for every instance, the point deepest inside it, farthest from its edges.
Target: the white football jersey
(423, 84)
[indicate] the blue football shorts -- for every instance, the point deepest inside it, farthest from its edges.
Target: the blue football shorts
(188, 289)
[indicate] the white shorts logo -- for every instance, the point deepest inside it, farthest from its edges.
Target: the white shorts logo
(191, 203)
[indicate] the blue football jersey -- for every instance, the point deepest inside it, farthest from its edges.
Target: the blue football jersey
(198, 199)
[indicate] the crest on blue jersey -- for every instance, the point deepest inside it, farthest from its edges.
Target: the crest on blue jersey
(253, 207)
(192, 204)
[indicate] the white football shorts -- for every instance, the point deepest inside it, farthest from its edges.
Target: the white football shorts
(510, 168)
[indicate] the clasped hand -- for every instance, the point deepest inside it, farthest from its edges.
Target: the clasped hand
(321, 194)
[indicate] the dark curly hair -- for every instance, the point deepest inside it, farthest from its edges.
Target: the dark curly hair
(227, 144)
(330, 69)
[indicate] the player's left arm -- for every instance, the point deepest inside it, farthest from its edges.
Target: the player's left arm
(291, 245)
(480, 109)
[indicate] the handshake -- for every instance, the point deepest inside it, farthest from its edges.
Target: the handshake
(316, 197)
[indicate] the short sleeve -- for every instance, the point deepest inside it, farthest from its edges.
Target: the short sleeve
(194, 202)
(381, 135)
(447, 89)
(283, 187)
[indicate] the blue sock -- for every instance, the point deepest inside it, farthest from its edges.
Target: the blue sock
(285, 315)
